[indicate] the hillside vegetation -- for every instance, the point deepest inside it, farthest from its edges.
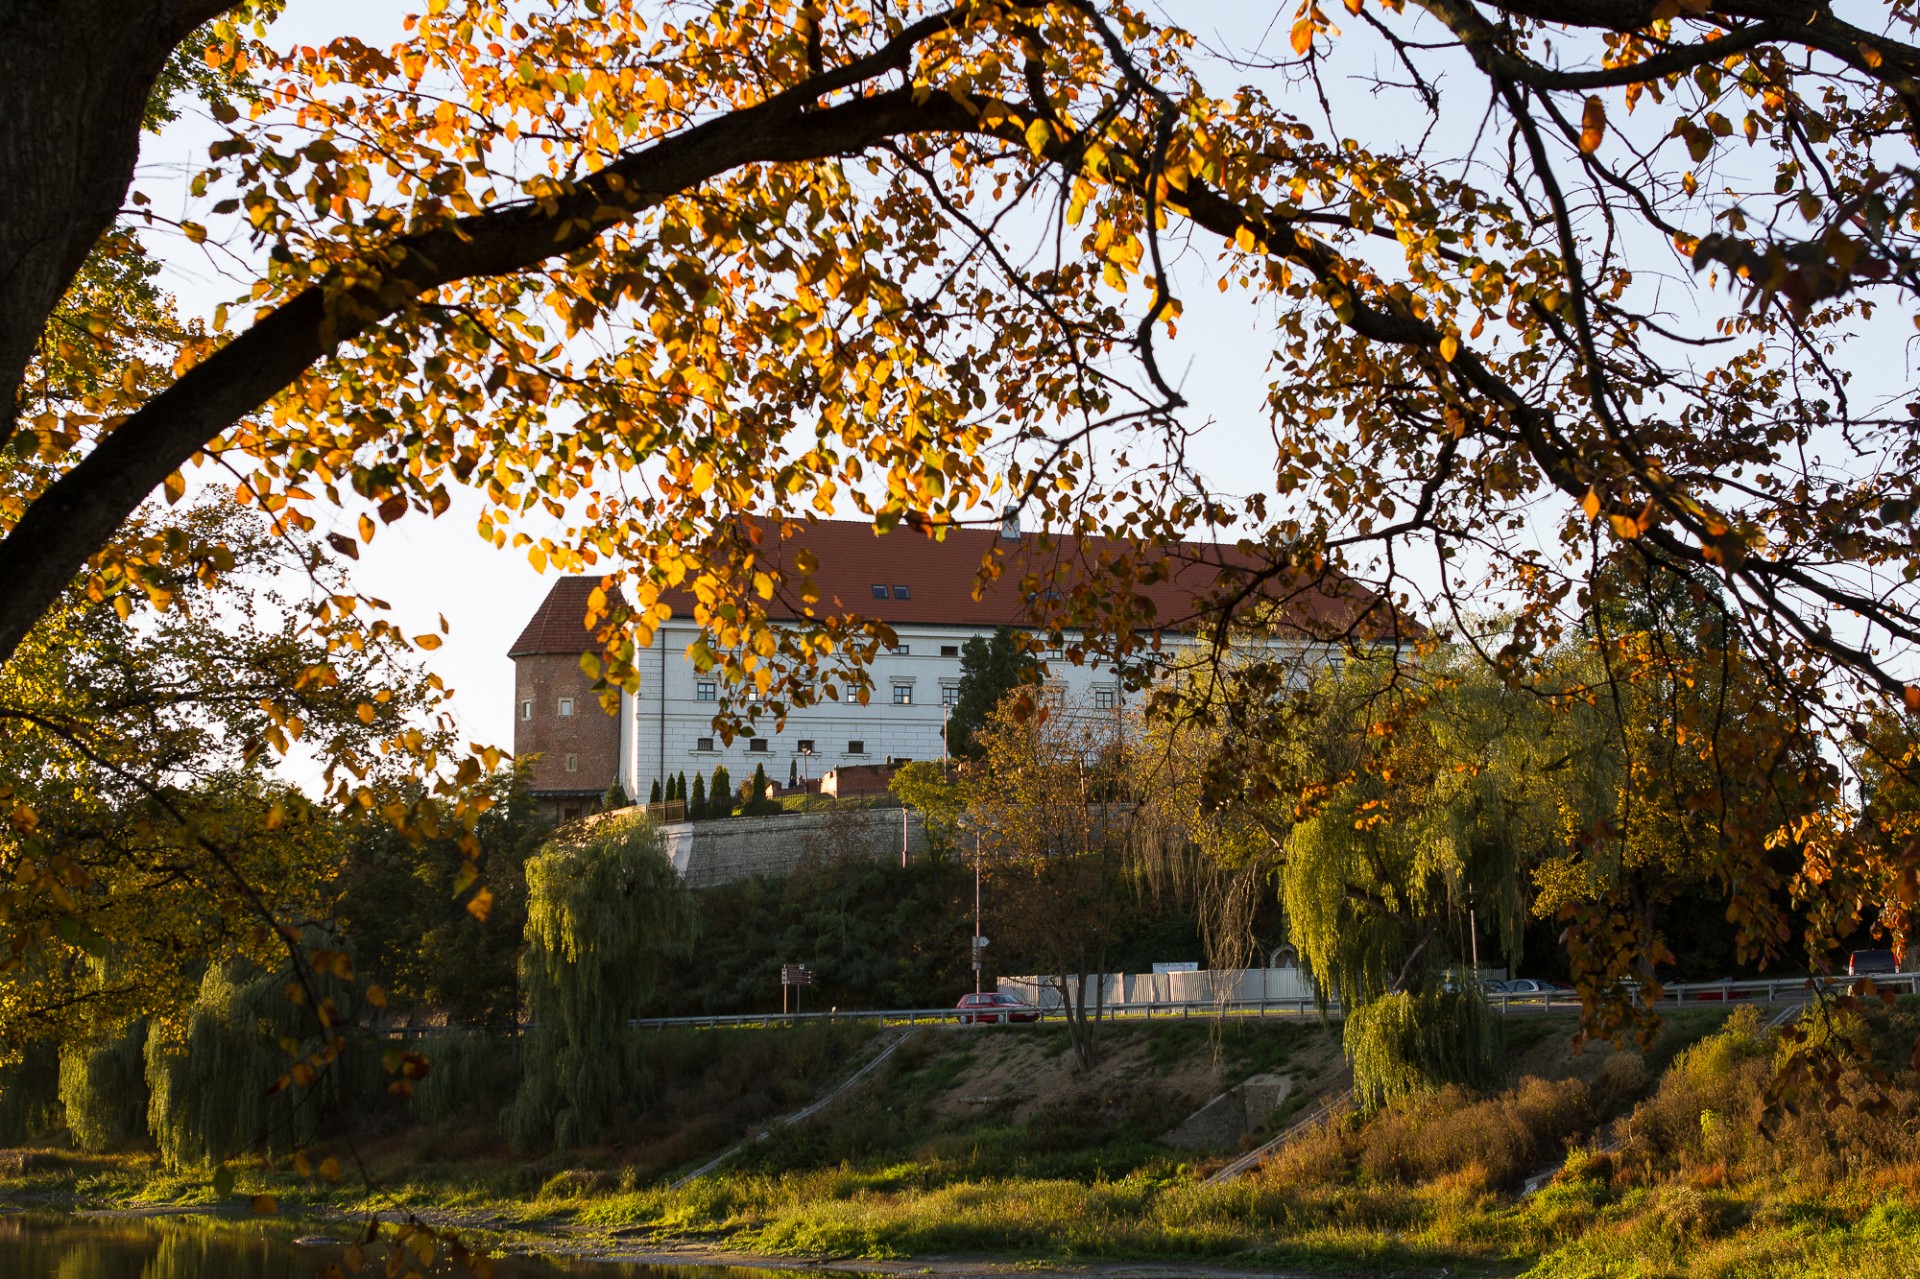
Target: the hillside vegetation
(992, 1141)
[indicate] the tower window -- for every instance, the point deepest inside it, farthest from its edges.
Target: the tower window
(573, 763)
(566, 708)
(526, 708)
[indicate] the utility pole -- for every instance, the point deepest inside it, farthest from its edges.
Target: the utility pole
(903, 837)
(976, 912)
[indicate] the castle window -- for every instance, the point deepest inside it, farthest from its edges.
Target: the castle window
(703, 743)
(703, 690)
(804, 746)
(900, 650)
(949, 650)
(526, 708)
(903, 694)
(900, 593)
(1054, 696)
(759, 745)
(566, 708)
(949, 694)
(879, 590)
(1104, 699)
(573, 763)
(856, 747)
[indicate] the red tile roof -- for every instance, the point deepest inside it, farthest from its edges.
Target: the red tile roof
(1172, 589)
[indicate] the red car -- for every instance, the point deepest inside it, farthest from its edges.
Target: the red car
(995, 1006)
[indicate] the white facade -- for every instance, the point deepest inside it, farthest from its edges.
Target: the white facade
(667, 729)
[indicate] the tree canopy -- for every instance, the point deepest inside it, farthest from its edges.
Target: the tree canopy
(1571, 281)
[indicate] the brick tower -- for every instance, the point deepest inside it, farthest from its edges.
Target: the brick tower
(556, 712)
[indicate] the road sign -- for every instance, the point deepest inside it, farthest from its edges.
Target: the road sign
(796, 975)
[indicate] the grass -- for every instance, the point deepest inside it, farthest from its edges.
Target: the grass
(1421, 1187)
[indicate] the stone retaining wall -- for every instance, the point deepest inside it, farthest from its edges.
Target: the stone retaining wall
(733, 848)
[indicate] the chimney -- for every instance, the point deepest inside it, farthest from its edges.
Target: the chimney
(1010, 525)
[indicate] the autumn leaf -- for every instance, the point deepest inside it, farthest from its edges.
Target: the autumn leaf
(1593, 125)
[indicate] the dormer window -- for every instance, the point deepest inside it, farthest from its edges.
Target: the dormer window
(901, 593)
(879, 590)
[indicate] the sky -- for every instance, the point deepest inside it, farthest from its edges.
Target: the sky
(431, 568)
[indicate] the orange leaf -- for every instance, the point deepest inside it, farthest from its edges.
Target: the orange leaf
(1593, 125)
(481, 904)
(1913, 697)
(1302, 35)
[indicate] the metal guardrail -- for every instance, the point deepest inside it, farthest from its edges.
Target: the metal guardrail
(1775, 990)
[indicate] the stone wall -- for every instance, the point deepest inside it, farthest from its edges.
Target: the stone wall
(733, 848)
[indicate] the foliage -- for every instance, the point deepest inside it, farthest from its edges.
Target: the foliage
(1057, 839)
(103, 1089)
(605, 912)
(615, 798)
(465, 1080)
(991, 667)
(218, 1081)
(1479, 366)
(697, 807)
(1402, 1044)
(931, 788)
(655, 795)
(29, 1093)
(428, 947)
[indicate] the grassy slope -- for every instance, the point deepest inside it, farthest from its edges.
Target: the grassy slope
(991, 1142)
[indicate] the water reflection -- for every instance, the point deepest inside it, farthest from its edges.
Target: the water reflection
(51, 1246)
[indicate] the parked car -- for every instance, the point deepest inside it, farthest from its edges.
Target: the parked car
(1871, 963)
(995, 1006)
(1492, 986)
(1531, 986)
(1726, 991)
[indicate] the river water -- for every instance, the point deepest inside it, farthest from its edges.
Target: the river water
(56, 1246)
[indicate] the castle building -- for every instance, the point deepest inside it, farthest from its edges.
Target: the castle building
(922, 588)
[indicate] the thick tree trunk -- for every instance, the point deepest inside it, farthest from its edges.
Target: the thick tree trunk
(75, 78)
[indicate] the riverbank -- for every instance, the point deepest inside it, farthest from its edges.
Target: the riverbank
(991, 1152)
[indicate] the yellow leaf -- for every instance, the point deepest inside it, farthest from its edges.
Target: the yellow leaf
(1039, 133)
(176, 487)
(1625, 527)
(1593, 125)
(1449, 347)
(330, 1168)
(702, 477)
(480, 905)
(428, 642)
(1591, 504)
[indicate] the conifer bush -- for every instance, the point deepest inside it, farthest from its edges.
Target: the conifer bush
(698, 808)
(605, 912)
(720, 793)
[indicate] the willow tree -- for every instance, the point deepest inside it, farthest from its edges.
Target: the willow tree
(103, 1089)
(605, 911)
